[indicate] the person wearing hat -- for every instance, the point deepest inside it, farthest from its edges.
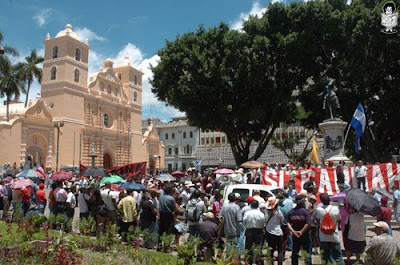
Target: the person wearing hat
(382, 248)
(41, 198)
(274, 235)
(386, 214)
(247, 208)
(299, 222)
(208, 234)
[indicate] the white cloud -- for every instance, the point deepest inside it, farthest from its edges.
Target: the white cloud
(42, 16)
(130, 50)
(88, 34)
(256, 10)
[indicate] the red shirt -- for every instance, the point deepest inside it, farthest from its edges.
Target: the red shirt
(386, 215)
(27, 194)
(52, 199)
(40, 196)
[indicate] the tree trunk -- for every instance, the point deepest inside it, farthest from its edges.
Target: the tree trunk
(8, 108)
(27, 92)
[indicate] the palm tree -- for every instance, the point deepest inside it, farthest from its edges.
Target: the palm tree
(7, 49)
(28, 70)
(10, 82)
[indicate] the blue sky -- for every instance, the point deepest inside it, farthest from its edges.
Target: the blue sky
(116, 29)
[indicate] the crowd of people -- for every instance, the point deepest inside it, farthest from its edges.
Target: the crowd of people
(287, 221)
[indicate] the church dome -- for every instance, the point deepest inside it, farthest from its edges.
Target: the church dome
(68, 32)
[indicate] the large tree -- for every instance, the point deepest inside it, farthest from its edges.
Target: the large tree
(29, 70)
(10, 82)
(228, 80)
(366, 69)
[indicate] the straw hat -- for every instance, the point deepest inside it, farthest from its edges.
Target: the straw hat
(271, 202)
(240, 171)
(208, 215)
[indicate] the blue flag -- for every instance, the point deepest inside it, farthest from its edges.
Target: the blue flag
(358, 123)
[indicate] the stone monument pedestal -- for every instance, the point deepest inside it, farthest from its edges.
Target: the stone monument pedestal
(333, 130)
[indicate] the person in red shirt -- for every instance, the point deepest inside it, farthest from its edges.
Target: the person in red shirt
(41, 199)
(386, 215)
(27, 200)
(52, 199)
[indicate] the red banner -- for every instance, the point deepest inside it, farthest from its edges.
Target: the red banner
(128, 171)
(378, 176)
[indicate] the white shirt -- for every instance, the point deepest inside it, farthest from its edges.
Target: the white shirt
(254, 219)
(259, 199)
(185, 197)
(319, 214)
(274, 224)
(83, 183)
(107, 198)
(361, 171)
(357, 228)
(71, 199)
(137, 196)
(82, 198)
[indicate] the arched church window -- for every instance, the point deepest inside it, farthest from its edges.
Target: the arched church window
(53, 73)
(101, 86)
(106, 120)
(135, 79)
(77, 54)
(135, 96)
(116, 91)
(109, 89)
(76, 75)
(55, 52)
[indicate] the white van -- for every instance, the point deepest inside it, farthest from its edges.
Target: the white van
(246, 190)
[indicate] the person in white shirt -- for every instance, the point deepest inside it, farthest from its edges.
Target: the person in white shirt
(71, 202)
(60, 196)
(254, 222)
(257, 197)
(83, 203)
(111, 204)
(361, 172)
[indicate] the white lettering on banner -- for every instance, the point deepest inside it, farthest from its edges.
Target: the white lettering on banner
(378, 176)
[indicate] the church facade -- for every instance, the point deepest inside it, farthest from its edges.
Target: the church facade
(77, 116)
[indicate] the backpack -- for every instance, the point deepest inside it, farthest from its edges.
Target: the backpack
(192, 211)
(328, 226)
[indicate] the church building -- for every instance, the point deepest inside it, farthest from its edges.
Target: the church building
(77, 116)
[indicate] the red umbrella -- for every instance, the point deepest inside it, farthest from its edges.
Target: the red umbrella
(114, 187)
(224, 171)
(179, 174)
(62, 175)
(21, 184)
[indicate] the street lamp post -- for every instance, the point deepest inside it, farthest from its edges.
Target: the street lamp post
(58, 125)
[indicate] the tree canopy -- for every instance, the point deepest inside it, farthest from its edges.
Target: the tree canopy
(227, 80)
(246, 82)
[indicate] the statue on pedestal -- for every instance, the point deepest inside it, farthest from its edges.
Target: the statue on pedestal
(331, 101)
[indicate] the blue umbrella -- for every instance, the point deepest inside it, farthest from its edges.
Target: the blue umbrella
(132, 185)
